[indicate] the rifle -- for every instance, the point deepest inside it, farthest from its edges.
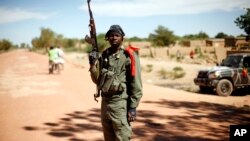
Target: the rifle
(93, 41)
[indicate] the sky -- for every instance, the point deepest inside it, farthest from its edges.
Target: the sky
(22, 20)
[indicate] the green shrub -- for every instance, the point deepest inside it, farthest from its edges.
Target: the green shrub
(177, 69)
(172, 56)
(176, 73)
(149, 68)
(163, 73)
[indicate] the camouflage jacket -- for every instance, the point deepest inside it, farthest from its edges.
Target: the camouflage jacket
(120, 63)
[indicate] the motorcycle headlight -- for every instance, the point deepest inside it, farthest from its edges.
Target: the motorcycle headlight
(214, 74)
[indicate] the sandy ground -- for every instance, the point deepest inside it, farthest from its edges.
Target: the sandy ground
(36, 106)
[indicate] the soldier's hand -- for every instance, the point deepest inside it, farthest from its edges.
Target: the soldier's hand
(93, 57)
(131, 114)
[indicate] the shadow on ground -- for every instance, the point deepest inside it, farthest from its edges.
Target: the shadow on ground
(71, 124)
(198, 121)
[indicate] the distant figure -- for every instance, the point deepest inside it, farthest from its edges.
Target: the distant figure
(53, 56)
(167, 52)
(60, 59)
(191, 54)
(178, 55)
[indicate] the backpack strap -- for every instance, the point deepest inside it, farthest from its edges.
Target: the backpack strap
(130, 50)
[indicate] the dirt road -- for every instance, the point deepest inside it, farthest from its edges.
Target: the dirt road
(36, 106)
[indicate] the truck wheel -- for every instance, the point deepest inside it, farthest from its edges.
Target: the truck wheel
(224, 88)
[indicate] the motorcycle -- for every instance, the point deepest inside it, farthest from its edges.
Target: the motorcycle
(54, 68)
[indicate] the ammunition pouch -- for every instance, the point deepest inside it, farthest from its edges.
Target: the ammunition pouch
(109, 83)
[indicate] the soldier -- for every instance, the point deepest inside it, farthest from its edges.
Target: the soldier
(119, 81)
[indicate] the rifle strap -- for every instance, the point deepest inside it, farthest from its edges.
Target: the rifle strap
(130, 50)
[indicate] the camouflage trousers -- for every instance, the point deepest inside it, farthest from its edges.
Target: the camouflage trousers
(114, 119)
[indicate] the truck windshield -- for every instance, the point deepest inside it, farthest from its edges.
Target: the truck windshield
(232, 61)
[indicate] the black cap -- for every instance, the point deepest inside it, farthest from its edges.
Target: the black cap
(115, 28)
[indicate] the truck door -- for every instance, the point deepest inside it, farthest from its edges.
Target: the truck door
(246, 64)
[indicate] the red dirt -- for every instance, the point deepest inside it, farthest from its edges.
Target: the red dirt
(36, 106)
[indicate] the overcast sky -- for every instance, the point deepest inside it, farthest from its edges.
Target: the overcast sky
(22, 20)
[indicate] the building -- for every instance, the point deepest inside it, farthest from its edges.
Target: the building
(215, 42)
(193, 43)
(235, 42)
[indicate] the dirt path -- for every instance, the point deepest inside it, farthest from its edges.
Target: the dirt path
(35, 106)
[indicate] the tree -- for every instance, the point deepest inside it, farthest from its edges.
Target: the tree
(24, 45)
(220, 35)
(243, 22)
(162, 37)
(200, 35)
(70, 43)
(5, 45)
(36, 42)
(189, 36)
(136, 39)
(46, 39)
(59, 41)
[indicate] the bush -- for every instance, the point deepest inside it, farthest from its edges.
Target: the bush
(149, 68)
(176, 73)
(163, 73)
(73, 49)
(5, 45)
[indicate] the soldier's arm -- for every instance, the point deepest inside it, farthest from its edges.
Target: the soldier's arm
(135, 85)
(94, 72)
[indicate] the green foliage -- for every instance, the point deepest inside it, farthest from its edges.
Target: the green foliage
(45, 40)
(69, 43)
(136, 39)
(241, 35)
(149, 68)
(88, 48)
(102, 44)
(172, 56)
(221, 35)
(243, 21)
(177, 69)
(176, 73)
(5, 45)
(24, 45)
(200, 35)
(73, 49)
(59, 40)
(49, 38)
(162, 37)
(199, 52)
(163, 73)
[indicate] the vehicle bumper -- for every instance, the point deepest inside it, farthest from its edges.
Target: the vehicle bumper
(206, 82)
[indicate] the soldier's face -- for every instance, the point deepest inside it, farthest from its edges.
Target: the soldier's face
(115, 39)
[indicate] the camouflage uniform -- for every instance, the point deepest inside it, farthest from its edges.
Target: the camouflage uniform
(115, 104)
